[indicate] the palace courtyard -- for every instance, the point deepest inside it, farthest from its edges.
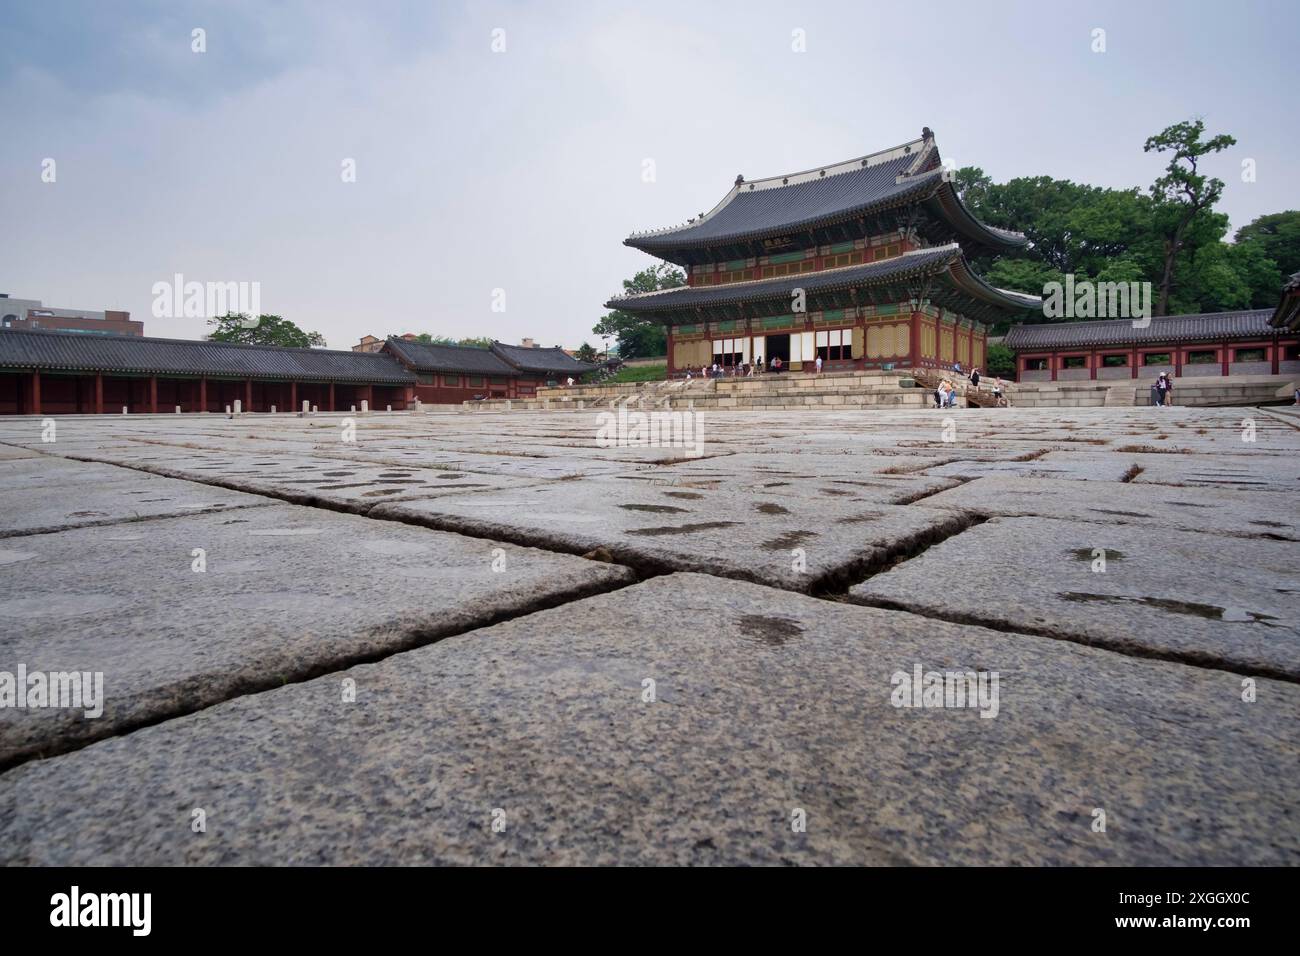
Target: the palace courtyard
(912, 636)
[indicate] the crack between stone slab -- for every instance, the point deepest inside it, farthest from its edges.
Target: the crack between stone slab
(1154, 527)
(1203, 660)
(133, 519)
(922, 495)
(412, 641)
(887, 559)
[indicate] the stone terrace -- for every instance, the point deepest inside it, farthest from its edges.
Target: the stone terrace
(374, 651)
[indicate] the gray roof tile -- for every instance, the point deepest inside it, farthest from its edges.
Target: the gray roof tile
(924, 262)
(782, 204)
(1205, 326)
(548, 361)
(74, 351)
(426, 357)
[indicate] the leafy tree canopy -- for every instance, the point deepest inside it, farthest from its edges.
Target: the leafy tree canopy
(267, 330)
(1277, 235)
(637, 336)
(1170, 235)
(473, 342)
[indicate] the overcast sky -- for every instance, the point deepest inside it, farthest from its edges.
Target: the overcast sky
(522, 170)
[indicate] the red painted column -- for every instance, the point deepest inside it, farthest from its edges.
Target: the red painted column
(331, 402)
(1052, 361)
(99, 393)
(1092, 364)
(153, 394)
(1277, 347)
(1226, 358)
(248, 394)
(203, 393)
(293, 396)
(915, 340)
(1133, 362)
(36, 393)
(370, 397)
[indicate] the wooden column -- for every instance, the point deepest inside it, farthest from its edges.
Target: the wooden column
(36, 392)
(293, 396)
(153, 394)
(1227, 358)
(203, 393)
(248, 394)
(331, 398)
(99, 393)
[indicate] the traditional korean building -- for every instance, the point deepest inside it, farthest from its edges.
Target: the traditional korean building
(1209, 344)
(864, 263)
(448, 374)
(1287, 313)
(71, 372)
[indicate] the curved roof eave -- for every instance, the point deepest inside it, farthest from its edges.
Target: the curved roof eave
(659, 245)
(946, 260)
(948, 205)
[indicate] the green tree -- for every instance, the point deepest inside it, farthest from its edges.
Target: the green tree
(586, 353)
(638, 336)
(474, 343)
(268, 330)
(1000, 361)
(1277, 235)
(1182, 195)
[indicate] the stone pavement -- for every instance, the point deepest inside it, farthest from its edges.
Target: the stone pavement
(884, 637)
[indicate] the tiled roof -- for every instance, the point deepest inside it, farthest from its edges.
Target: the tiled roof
(1206, 326)
(923, 262)
(1287, 313)
(782, 204)
(425, 357)
(73, 351)
(554, 360)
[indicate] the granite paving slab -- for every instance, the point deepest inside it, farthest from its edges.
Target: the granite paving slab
(1220, 510)
(790, 541)
(595, 734)
(1208, 599)
(43, 494)
(284, 592)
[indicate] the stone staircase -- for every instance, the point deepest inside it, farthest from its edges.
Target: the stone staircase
(1200, 392)
(792, 390)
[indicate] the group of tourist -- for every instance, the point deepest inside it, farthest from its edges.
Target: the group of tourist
(945, 393)
(739, 370)
(1162, 392)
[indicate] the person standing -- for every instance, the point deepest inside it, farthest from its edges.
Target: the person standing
(818, 364)
(1169, 390)
(975, 377)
